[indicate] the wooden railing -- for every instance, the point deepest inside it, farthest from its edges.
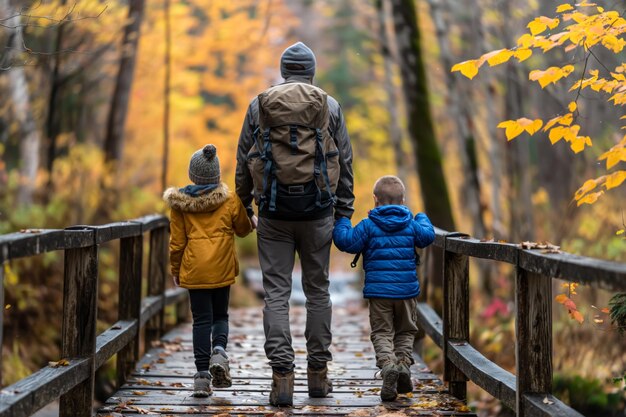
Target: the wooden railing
(85, 352)
(528, 392)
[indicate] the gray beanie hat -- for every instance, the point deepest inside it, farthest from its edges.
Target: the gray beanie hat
(204, 167)
(298, 53)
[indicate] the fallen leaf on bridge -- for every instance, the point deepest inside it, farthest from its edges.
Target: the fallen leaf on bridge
(62, 362)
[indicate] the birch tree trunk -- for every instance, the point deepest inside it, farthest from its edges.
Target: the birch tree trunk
(114, 140)
(422, 133)
(20, 96)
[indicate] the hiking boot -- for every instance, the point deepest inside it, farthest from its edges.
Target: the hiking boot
(282, 389)
(219, 368)
(202, 384)
(405, 385)
(319, 384)
(389, 390)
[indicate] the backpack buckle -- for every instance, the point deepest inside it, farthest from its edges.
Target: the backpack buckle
(296, 189)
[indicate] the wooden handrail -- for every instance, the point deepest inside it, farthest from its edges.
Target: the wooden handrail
(535, 268)
(74, 384)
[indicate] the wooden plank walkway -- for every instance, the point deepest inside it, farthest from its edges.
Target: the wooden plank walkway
(163, 380)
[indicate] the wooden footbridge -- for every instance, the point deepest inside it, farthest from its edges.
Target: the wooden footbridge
(160, 382)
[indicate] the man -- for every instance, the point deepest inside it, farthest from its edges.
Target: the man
(306, 230)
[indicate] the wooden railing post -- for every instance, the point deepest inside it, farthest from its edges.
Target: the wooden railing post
(80, 306)
(157, 274)
(455, 316)
(131, 253)
(533, 328)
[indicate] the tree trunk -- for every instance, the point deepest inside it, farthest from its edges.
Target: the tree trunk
(518, 150)
(166, 95)
(20, 97)
(53, 122)
(459, 100)
(114, 140)
(421, 131)
(395, 129)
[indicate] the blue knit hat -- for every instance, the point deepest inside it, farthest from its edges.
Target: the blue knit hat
(300, 54)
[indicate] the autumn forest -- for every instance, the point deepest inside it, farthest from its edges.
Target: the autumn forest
(504, 118)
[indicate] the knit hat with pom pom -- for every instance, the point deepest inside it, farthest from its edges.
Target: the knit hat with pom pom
(204, 167)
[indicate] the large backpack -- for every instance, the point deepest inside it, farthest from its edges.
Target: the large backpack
(294, 161)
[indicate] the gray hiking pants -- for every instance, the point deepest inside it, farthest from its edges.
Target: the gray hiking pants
(278, 241)
(394, 328)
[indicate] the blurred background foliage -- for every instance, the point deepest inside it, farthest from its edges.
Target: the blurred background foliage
(57, 84)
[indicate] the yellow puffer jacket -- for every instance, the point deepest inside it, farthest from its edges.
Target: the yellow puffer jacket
(202, 243)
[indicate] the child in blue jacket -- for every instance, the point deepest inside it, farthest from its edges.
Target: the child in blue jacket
(387, 240)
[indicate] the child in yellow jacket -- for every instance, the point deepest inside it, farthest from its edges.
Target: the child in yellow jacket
(204, 218)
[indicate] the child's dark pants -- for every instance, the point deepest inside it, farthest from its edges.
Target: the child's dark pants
(210, 322)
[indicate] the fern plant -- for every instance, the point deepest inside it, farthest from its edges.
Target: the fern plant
(618, 311)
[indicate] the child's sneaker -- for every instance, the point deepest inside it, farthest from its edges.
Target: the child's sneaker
(219, 368)
(405, 385)
(202, 384)
(389, 391)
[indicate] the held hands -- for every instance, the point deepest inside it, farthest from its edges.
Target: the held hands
(254, 220)
(176, 281)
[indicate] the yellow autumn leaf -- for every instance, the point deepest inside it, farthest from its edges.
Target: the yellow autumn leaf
(512, 129)
(570, 133)
(525, 41)
(615, 179)
(497, 57)
(550, 75)
(613, 43)
(614, 156)
(541, 23)
(536, 26)
(530, 126)
(589, 198)
(566, 119)
(522, 54)
(585, 188)
(551, 123)
(572, 106)
(579, 142)
(564, 7)
(556, 134)
(468, 68)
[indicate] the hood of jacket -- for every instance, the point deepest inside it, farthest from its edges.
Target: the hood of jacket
(391, 218)
(210, 201)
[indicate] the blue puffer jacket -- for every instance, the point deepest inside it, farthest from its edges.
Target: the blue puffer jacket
(387, 239)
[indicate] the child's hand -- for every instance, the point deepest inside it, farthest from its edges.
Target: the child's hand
(176, 281)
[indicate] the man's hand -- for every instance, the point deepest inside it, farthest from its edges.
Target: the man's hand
(176, 281)
(254, 220)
